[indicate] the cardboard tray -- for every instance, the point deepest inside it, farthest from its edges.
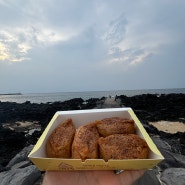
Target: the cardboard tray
(80, 117)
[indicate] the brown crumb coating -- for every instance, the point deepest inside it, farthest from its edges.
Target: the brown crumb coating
(123, 146)
(115, 125)
(59, 142)
(85, 143)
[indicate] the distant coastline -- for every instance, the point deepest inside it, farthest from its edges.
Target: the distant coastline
(11, 94)
(63, 96)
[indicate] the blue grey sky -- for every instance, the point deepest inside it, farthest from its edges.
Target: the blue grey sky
(77, 45)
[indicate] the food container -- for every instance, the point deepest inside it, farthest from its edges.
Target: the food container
(80, 117)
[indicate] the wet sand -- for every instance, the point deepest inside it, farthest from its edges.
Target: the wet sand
(169, 127)
(19, 126)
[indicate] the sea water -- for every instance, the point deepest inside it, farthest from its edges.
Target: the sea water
(63, 96)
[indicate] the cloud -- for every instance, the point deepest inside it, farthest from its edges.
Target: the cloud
(117, 29)
(121, 50)
(13, 47)
(87, 41)
(132, 27)
(3, 52)
(147, 28)
(15, 44)
(31, 29)
(128, 57)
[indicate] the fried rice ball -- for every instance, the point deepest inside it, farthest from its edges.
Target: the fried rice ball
(85, 144)
(59, 142)
(116, 125)
(123, 146)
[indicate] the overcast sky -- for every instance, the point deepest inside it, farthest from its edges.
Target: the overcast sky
(83, 45)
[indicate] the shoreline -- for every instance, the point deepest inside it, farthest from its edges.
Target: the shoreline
(10, 94)
(169, 126)
(25, 122)
(65, 96)
(150, 109)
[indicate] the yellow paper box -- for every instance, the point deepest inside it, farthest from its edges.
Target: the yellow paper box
(80, 117)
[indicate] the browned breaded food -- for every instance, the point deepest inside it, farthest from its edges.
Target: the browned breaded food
(123, 146)
(85, 143)
(59, 142)
(115, 125)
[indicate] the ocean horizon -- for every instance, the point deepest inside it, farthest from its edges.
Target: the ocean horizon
(63, 96)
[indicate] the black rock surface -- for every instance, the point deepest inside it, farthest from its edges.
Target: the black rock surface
(148, 107)
(11, 141)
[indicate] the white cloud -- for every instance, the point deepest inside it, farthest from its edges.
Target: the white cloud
(116, 31)
(142, 34)
(12, 47)
(44, 24)
(104, 39)
(3, 52)
(16, 43)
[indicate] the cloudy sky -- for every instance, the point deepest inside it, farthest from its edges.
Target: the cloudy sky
(77, 45)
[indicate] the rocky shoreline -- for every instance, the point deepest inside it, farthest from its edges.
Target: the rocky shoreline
(22, 124)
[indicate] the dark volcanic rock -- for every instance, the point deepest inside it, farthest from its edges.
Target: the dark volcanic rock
(21, 176)
(176, 141)
(90, 103)
(11, 142)
(148, 107)
(174, 176)
(12, 112)
(154, 107)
